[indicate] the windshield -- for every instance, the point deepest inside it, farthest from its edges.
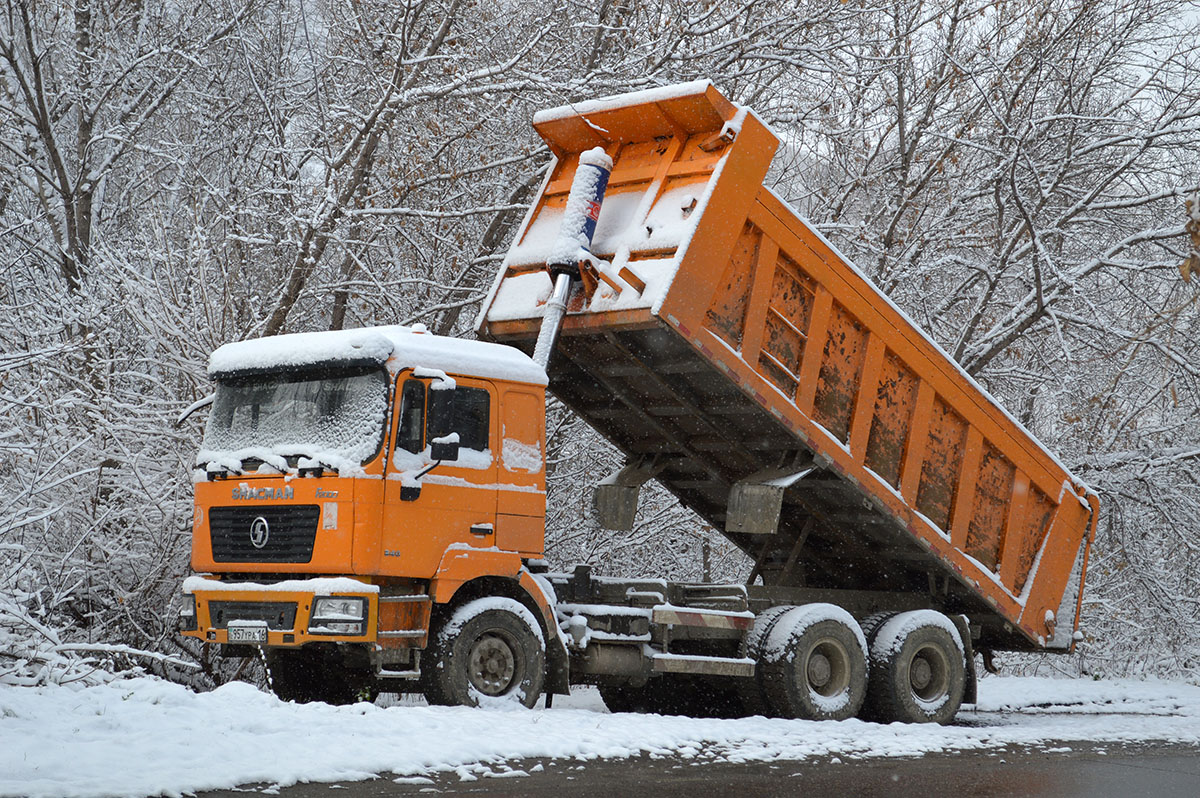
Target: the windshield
(335, 416)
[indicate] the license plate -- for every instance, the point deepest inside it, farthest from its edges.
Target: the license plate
(247, 632)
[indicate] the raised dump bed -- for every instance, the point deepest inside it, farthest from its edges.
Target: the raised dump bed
(733, 354)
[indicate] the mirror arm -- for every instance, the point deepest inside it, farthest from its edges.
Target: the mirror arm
(411, 494)
(427, 470)
(193, 407)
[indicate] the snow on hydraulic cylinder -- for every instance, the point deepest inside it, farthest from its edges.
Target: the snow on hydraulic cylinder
(572, 246)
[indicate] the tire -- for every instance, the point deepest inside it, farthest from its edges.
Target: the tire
(489, 650)
(870, 625)
(918, 672)
(309, 674)
(815, 664)
(750, 690)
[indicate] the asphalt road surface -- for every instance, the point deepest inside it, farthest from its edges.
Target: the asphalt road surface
(1063, 771)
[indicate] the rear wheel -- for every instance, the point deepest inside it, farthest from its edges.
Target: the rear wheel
(918, 670)
(814, 664)
(311, 674)
(750, 690)
(490, 649)
(870, 625)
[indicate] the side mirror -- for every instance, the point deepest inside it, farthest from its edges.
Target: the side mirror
(444, 448)
(443, 444)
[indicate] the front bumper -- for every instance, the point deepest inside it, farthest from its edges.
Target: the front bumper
(284, 608)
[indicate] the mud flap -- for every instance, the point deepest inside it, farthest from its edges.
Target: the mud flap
(558, 666)
(756, 501)
(615, 499)
(971, 681)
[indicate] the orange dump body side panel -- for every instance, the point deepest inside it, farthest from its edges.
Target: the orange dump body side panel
(731, 337)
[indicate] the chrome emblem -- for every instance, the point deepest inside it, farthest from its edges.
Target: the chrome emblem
(260, 532)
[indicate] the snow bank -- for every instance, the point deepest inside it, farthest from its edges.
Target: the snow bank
(143, 736)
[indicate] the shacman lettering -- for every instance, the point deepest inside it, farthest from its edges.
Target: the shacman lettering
(247, 492)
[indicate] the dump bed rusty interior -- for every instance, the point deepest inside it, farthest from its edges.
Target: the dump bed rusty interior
(725, 336)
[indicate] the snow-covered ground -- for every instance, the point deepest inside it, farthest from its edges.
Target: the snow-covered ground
(144, 736)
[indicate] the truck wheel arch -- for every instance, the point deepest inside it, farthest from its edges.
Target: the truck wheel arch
(489, 649)
(465, 574)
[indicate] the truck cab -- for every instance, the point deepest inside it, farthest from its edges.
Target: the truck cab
(350, 486)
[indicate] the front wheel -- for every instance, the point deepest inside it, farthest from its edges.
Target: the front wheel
(490, 650)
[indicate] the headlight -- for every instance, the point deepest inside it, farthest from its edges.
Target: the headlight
(338, 615)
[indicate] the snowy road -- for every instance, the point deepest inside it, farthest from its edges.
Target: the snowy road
(1086, 771)
(148, 737)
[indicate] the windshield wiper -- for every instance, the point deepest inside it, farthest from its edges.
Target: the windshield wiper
(316, 470)
(222, 470)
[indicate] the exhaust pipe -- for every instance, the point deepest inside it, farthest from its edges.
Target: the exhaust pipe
(573, 244)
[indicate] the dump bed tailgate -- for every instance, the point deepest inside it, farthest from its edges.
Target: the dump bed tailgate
(724, 341)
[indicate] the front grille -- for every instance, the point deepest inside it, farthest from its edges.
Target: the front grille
(291, 532)
(277, 614)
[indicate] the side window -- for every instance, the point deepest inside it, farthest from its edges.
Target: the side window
(471, 417)
(412, 417)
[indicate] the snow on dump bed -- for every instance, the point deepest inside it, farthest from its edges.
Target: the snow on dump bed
(631, 221)
(655, 95)
(141, 737)
(405, 346)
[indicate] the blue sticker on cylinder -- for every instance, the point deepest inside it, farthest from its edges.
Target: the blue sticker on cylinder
(593, 209)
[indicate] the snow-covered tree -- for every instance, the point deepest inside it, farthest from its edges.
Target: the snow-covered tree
(175, 176)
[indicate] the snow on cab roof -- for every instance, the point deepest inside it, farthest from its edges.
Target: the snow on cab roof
(404, 346)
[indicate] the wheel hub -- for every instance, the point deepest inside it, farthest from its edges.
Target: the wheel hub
(819, 670)
(492, 665)
(827, 668)
(929, 674)
(920, 673)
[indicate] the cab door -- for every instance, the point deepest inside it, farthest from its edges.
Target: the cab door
(429, 506)
(521, 505)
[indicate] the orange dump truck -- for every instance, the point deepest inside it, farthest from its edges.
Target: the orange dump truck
(370, 504)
